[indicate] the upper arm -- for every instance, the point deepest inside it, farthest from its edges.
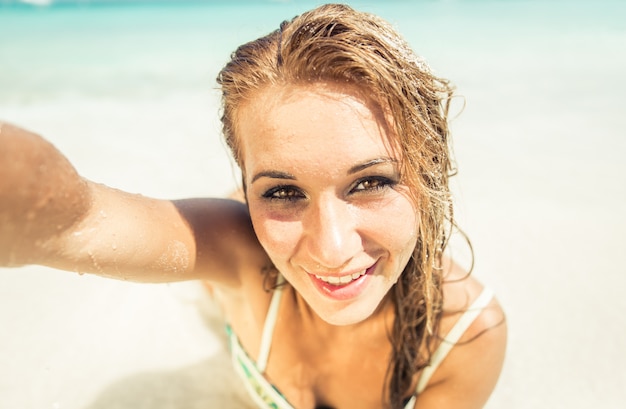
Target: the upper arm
(468, 375)
(135, 238)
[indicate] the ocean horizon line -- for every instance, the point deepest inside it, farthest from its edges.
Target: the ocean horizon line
(42, 4)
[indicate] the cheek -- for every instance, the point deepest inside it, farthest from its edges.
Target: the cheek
(400, 228)
(278, 237)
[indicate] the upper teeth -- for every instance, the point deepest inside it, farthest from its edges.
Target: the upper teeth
(341, 280)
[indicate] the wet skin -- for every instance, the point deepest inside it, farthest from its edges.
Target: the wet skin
(325, 196)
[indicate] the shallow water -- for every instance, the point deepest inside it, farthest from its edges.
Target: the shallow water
(127, 92)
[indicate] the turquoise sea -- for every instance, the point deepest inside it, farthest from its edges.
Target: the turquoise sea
(132, 48)
(126, 90)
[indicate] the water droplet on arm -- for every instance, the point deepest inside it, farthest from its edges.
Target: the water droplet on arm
(95, 263)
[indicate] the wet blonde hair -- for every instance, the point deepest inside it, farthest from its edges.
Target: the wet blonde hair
(336, 44)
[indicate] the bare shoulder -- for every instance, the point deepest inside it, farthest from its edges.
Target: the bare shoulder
(226, 244)
(468, 375)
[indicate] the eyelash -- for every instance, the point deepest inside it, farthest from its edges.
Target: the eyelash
(377, 182)
(291, 193)
(285, 193)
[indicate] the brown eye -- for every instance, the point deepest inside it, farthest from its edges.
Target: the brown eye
(372, 184)
(369, 184)
(283, 193)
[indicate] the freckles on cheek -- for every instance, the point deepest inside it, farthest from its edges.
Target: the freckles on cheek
(278, 238)
(403, 231)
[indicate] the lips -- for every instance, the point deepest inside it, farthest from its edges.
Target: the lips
(345, 279)
(343, 287)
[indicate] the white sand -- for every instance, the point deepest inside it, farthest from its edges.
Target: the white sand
(541, 191)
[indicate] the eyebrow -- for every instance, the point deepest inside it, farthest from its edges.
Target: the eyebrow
(373, 162)
(275, 174)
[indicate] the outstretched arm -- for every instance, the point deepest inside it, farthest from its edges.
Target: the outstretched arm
(41, 196)
(52, 216)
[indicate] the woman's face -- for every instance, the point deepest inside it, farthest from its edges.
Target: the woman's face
(325, 197)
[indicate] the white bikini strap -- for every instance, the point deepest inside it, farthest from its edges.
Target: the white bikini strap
(453, 336)
(268, 326)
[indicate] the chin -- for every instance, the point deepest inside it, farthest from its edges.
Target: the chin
(351, 314)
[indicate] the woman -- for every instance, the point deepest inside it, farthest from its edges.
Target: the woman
(331, 273)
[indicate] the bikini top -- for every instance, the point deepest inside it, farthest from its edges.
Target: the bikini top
(267, 396)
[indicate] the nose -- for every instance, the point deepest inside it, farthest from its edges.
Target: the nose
(331, 238)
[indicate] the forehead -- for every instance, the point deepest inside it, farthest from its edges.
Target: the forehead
(286, 125)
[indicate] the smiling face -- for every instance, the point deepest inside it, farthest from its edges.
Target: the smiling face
(325, 196)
